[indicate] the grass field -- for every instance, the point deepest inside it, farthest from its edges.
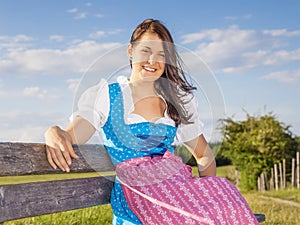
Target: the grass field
(265, 203)
(276, 213)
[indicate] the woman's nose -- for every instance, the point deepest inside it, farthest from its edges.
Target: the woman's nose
(152, 59)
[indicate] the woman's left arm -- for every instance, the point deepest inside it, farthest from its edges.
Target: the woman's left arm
(203, 155)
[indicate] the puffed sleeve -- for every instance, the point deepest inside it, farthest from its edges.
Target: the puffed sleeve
(187, 132)
(93, 104)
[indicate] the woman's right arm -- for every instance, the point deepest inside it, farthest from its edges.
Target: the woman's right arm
(59, 142)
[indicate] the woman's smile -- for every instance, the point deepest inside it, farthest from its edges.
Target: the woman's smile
(149, 69)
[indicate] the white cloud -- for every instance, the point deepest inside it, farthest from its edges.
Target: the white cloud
(32, 93)
(100, 33)
(30, 134)
(57, 38)
(73, 84)
(75, 59)
(223, 48)
(232, 18)
(236, 50)
(99, 15)
(283, 56)
(25, 126)
(286, 76)
(81, 15)
(10, 43)
(211, 34)
(36, 92)
(97, 34)
(22, 38)
(282, 32)
(2, 93)
(73, 10)
(77, 14)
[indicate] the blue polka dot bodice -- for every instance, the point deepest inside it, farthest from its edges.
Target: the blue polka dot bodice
(125, 141)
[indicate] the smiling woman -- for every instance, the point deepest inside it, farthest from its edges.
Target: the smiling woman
(140, 117)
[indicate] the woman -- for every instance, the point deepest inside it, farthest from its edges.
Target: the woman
(140, 118)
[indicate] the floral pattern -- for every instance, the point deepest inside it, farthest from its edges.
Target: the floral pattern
(161, 190)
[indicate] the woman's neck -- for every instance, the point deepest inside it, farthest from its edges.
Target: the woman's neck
(141, 89)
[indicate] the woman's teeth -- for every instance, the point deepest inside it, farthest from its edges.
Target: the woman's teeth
(149, 69)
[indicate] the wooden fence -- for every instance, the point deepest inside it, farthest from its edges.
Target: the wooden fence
(278, 176)
(39, 198)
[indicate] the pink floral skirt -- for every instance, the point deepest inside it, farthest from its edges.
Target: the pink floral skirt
(162, 190)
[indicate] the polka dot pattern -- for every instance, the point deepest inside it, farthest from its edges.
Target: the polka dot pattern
(126, 141)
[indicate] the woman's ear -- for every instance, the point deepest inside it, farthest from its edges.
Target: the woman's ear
(129, 51)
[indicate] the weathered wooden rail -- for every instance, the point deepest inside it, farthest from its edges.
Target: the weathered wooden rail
(39, 198)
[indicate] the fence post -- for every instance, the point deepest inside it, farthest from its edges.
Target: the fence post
(280, 175)
(276, 177)
(293, 172)
(262, 178)
(284, 173)
(298, 170)
(266, 181)
(272, 179)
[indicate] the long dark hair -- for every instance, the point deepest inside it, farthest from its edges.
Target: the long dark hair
(173, 84)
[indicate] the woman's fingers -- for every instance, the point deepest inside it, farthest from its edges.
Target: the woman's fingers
(69, 147)
(58, 158)
(55, 158)
(64, 148)
(68, 152)
(49, 157)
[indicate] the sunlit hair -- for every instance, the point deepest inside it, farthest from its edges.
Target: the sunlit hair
(173, 84)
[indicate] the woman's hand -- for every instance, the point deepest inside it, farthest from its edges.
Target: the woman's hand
(59, 142)
(59, 148)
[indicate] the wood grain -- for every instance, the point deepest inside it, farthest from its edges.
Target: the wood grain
(30, 158)
(32, 199)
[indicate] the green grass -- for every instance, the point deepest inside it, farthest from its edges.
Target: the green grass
(47, 177)
(222, 171)
(100, 215)
(276, 213)
(290, 195)
(225, 171)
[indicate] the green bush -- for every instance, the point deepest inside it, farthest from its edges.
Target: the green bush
(255, 145)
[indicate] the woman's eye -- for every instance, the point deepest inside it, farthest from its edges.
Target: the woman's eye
(145, 51)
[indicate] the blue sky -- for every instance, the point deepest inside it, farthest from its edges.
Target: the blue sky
(251, 47)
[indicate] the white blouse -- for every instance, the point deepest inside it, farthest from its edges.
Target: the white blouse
(94, 104)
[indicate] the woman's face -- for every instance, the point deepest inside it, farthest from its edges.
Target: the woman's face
(148, 58)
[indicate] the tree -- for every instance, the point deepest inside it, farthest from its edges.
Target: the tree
(255, 144)
(186, 155)
(220, 159)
